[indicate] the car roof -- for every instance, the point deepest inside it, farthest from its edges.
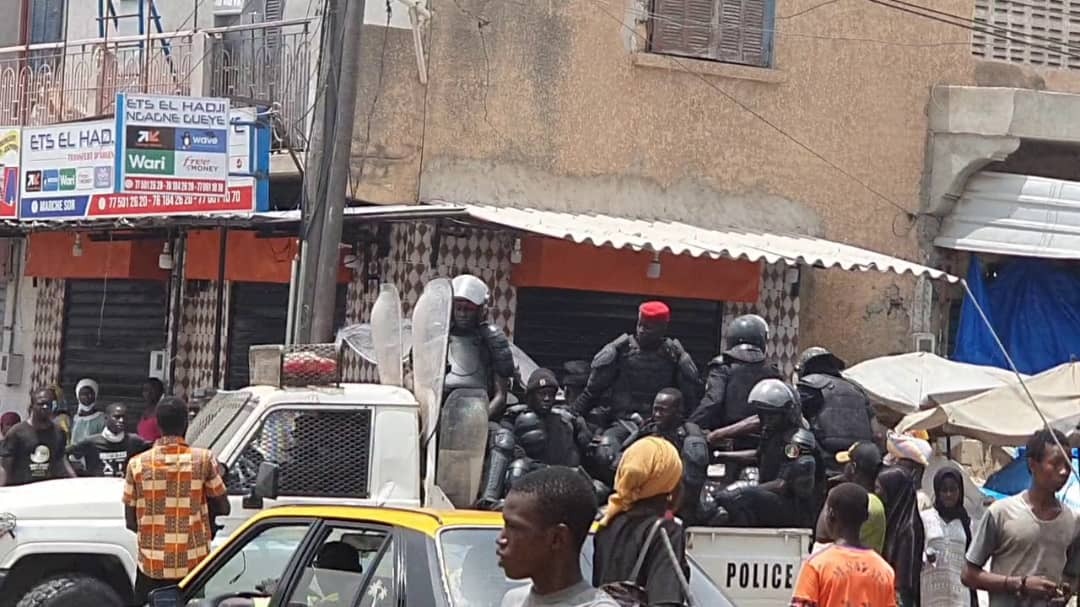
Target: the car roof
(424, 520)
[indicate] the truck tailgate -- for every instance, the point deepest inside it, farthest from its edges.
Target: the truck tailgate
(754, 567)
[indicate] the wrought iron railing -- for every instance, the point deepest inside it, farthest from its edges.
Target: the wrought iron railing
(266, 64)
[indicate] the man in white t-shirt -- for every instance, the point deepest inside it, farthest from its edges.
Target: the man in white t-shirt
(546, 519)
(1028, 538)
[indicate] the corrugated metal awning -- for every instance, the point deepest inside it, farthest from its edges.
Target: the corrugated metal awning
(1015, 215)
(684, 239)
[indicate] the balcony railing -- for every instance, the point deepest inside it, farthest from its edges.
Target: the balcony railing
(266, 64)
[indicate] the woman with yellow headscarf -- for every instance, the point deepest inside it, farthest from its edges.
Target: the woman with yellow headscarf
(647, 487)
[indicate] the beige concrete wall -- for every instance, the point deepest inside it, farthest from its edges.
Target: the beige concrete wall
(547, 104)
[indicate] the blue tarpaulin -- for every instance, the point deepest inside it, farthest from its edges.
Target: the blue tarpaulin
(1016, 477)
(1033, 305)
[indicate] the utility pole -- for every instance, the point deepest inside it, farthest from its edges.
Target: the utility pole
(327, 174)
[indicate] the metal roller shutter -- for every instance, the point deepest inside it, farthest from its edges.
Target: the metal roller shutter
(259, 313)
(557, 325)
(110, 328)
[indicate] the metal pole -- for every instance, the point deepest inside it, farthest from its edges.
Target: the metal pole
(177, 303)
(290, 315)
(316, 169)
(219, 317)
(326, 273)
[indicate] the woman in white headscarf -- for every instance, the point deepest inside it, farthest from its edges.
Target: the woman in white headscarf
(88, 420)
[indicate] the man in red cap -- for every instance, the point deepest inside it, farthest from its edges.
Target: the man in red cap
(633, 369)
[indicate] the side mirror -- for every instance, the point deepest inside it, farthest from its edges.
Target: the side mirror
(266, 486)
(168, 596)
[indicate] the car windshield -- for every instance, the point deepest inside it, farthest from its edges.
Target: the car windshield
(219, 418)
(474, 579)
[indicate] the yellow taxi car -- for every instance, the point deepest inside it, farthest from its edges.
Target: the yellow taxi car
(341, 556)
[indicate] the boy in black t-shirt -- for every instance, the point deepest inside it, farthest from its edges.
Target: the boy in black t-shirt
(107, 454)
(33, 450)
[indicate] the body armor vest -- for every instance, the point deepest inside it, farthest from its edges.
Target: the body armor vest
(468, 362)
(641, 375)
(743, 378)
(845, 413)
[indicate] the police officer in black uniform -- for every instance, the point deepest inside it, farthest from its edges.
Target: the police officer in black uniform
(536, 433)
(635, 367)
(731, 377)
(839, 411)
(631, 370)
(669, 421)
(791, 472)
(479, 357)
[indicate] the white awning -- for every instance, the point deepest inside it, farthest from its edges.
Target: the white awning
(1015, 215)
(684, 239)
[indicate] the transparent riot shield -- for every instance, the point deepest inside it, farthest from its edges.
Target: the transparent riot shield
(430, 338)
(386, 335)
(463, 431)
(359, 339)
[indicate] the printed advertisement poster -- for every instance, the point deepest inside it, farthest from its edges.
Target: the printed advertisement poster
(70, 174)
(9, 172)
(172, 145)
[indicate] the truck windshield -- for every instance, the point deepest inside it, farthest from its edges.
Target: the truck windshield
(473, 577)
(219, 419)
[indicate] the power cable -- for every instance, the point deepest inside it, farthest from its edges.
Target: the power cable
(967, 24)
(798, 142)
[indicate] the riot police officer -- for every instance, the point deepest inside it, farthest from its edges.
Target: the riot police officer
(635, 367)
(479, 354)
(791, 475)
(669, 421)
(839, 411)
(731, 377)
(533, 434)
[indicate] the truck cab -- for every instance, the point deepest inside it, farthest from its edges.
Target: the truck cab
(345, 444)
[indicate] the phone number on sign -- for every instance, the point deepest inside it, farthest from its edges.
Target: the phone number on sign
(238, 199)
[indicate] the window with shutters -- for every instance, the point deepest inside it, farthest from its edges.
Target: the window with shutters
(1042, 32)
(731, 31)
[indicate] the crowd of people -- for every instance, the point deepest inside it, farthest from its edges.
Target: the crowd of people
(626, 442)
(94, 440)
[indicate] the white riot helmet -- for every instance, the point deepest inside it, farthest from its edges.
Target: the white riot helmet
(471, 289)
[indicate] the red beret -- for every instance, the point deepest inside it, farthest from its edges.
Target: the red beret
(654, 310)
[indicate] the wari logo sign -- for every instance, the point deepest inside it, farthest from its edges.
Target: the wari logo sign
(172, 145)
(64, 166)
(149, 163)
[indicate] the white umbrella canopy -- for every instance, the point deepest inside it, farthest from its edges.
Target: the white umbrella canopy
(1005, 416)
(907, 383)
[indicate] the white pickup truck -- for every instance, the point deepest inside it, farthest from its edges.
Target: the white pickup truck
(366, 452)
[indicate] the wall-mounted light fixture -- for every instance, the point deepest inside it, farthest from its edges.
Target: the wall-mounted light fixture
(165, 260)
(654, 267)
(76, 249)
(515, 253)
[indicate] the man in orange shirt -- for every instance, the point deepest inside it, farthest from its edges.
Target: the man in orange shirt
(170, 493)
(845, 574)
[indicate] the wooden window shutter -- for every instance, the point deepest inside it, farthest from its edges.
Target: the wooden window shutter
(683, 27)
(742, 35)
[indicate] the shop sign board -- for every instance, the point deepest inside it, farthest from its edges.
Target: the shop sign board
(69, 172)
(172, 145)
(10, 140)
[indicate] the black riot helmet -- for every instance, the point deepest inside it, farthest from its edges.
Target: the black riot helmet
(804, 440)
(748, 329)
(775, 403)
(819, 360)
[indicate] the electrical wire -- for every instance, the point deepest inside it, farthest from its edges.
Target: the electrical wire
(762, 118)
(1019, 376)
(978, 27)
(713, 26)
(976, 22)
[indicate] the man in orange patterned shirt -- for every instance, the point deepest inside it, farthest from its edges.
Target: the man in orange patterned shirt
(170, 494)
